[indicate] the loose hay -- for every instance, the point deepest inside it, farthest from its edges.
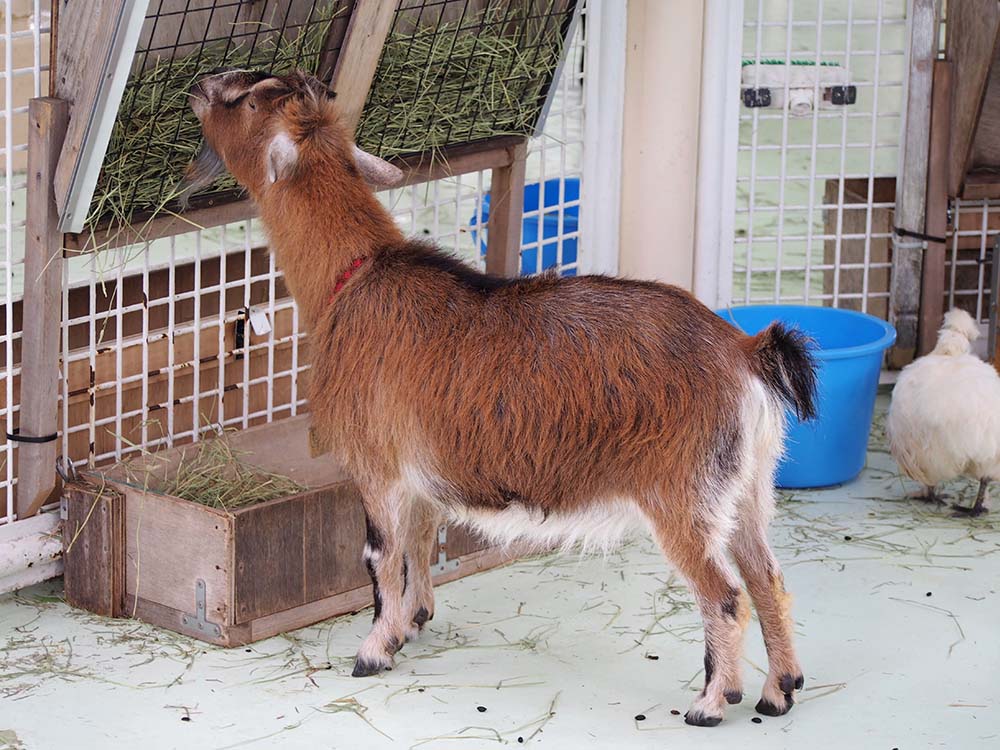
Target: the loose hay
(215, 474)
(445, 84)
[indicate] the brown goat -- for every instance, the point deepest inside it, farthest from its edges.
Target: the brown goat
(560, 410)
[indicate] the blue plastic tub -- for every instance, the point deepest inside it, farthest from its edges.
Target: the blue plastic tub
(550, 226)
(830, 450)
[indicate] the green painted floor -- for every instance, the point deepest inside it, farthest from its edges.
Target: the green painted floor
(898, 618)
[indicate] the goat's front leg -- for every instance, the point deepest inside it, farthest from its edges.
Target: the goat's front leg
(387, 519)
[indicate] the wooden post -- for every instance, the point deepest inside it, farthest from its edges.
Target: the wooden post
(911, 183)
(43, 266)
(503, 241)
(994, 330)
(358, 60)
(932, 288)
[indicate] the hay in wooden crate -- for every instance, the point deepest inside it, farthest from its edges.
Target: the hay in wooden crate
(213, 473)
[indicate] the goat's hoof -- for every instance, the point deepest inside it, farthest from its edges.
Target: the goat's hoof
(422, 617)
(765, 707)
(365, 668)
(787, 683)
(733, 697)
(698, 718)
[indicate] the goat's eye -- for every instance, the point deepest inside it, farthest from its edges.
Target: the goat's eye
(251, 105)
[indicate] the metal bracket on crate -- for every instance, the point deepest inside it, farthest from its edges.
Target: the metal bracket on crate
(443, 565)
(197, 621)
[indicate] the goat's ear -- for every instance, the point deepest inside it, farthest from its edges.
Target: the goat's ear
(282, 154)
(377, 172)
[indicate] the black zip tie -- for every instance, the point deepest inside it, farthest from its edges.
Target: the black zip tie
(919, 235)
(17, 437)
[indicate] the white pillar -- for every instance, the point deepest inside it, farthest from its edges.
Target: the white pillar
(660, 159)
(718, 144)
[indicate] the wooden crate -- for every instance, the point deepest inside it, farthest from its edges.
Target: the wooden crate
(234, 578)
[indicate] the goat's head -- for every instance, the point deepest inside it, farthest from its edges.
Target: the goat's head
(258, 125)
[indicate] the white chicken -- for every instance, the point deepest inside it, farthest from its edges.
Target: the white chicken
(944, 420)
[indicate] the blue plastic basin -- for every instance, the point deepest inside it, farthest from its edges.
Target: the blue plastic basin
(549, 225)
(831, 449)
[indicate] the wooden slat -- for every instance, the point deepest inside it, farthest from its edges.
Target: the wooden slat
(911, 190)
(93, 543)
(47, 120)
(111, 235)
(269, 574)
(154, 568)
(503, 243)
(86, 31)
(358, 61)
(333, 542)
(973, 36)
(933, 284)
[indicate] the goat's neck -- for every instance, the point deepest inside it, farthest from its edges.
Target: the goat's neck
(317, 227)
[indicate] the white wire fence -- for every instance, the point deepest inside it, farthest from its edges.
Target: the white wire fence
(816, 187)
(165, 341)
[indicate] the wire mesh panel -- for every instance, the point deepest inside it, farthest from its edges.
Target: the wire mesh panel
(462, 71)
(25, 41)
(819, 132)
(156, 134)
(975, 225)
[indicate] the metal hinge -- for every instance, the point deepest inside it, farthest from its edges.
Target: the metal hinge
(197, 621)
(443, 565)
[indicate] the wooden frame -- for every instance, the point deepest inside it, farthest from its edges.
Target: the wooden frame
(933, 282)
(47, 122)
(973, 49)
(252, 573)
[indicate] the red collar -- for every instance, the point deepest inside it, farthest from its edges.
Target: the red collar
(343, 278)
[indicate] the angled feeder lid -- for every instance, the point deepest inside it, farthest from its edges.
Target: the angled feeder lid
(974, 50)
(126, 65)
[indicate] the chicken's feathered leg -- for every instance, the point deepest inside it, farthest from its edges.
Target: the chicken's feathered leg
(978, 508)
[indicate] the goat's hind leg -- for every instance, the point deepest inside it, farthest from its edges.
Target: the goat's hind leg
(725, 612)
(387, 517)
(765, 583)
(418, 599)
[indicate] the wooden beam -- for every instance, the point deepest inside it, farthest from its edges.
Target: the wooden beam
(366, 34)
(503, 243)
(911, 183)
(973, 43)
(96, 41)
(932, 287)
(43, 267)
(496, 152)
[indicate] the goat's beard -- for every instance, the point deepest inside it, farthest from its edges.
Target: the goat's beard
(201, 173)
